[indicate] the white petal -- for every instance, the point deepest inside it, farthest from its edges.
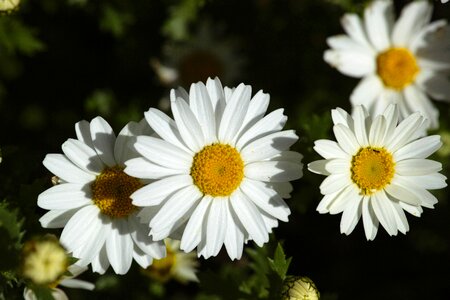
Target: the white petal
(284, 189)
(433, 37)
(273, 171)
(435, 84)
(155, 192)
(400, 218)
(367, 91)
(143, 168)
(402, 193)
(139, 234)
(163, 153)
(403, 132)
(83, 132)
(78, 229)
(377, 133)
(104, 139)
(338, 166)
(65, 196)
(318, 167)
(271, 123)
(124, 145)
(217, 97)
(165, 127)
(202, 108)
(379, 19)
(268, 146)
(350, 216)
(77, 283)
(193, 234)
(175, 208)
(256, 109)
(83, 156)
(414, 210)
(429, 181)
(418, 101)
(346, 43)
(119, 247)
(188, 125)
(360, 115)
(412, 19)
(370, 220)
(346, 139)
(329, 149)
(266, 199)
(100, 263)
(216, 226)
(250, 217)
(56, 218)
(421, 148)
(234, 114)
(234, 236)
(62, 167)
(354, 28)
(142, 258)
(384, 212)
(351, 63)
(340, 116)
(334, 183)
(342, 199)
(417, 166)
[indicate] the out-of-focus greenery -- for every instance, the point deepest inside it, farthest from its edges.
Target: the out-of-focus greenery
(62, 61)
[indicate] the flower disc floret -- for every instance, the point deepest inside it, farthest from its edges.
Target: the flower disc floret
(217, 170)
(111, 192)
(372, 169)
(397, 67)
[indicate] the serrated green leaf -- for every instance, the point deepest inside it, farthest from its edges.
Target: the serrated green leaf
(43, 293)
(280, 264)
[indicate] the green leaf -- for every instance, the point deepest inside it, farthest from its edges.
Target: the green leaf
(43, 293)
(181, 15)
(277, 273)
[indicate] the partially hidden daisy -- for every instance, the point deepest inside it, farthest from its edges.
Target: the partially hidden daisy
(221, 169)
(403, 62)
(92, 200)
(377, 169)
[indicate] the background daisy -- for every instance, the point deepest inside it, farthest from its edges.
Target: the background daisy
(221, 169)
(377, 169)
(403, 62)
(92, 200)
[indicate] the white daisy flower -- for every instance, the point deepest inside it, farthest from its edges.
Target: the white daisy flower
(377, 169)
(93, 203)
(402, 62)
(221, 169)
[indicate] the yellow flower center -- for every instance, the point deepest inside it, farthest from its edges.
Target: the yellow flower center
(217, 170)
(372, 169)
(397, 67)
(111, 192)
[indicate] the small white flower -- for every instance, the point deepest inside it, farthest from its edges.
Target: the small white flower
(93, 203)
(221, 169)
(377, 169)
(402, 62)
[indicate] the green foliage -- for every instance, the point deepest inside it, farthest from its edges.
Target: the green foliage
(277, 272)
(101, 102)
(180, 16)
(11, 234)
(42, 293)
(351, 5)
(115, 21)
(16, 37)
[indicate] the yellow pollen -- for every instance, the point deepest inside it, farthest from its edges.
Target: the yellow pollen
(111, 192)
(217, 170)
(372, 169)
(397, 67)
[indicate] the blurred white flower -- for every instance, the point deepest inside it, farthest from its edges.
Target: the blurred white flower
(402, 62)
(377, 169)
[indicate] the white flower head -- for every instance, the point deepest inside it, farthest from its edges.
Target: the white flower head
(402, 62)
(377, 169)
(92, 201)
(221, 169)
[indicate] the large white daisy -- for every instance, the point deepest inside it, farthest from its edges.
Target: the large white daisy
(377, 169)
(221, 169)
(92, 201)
(400, 62)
